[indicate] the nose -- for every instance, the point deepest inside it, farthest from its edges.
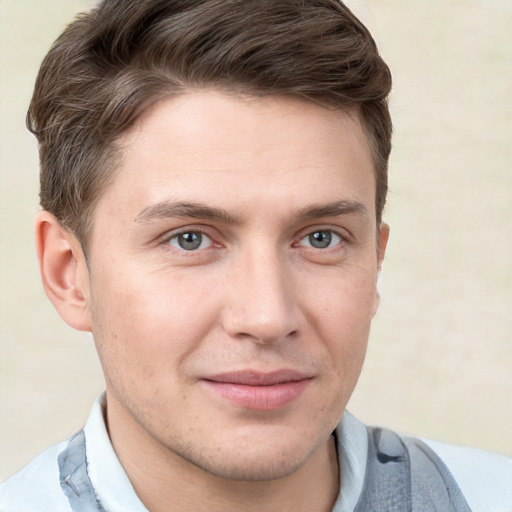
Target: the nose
(261, 303)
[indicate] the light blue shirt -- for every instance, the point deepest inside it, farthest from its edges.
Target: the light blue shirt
(484, 478)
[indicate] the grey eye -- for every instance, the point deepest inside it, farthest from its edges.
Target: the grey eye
(190, 240)
(320, 239)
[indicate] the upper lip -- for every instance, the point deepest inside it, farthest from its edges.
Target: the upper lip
(258, 378)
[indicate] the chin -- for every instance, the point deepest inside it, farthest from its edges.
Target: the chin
(256, 467)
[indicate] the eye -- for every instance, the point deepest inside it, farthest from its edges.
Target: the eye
(321, 239)
(190, 240)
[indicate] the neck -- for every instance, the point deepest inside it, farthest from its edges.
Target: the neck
(164, 481)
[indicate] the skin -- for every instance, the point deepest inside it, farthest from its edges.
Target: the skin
(254, 178)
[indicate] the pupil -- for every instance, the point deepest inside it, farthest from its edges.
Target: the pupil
(190, 241)
(320, 239)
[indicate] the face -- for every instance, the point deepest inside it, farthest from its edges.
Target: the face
(233, 267)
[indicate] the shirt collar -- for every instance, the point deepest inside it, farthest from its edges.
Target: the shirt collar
(352, 446)
(113, 488)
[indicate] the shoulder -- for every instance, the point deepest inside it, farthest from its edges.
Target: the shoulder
(485, 478)
(36, 488)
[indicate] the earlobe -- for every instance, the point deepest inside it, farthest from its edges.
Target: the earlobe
(63, 271)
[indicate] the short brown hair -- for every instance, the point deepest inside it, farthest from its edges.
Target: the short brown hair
(111, 64)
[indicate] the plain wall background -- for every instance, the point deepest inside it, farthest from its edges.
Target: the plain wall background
(440, 356)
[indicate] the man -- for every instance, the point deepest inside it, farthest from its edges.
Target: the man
(213, 175)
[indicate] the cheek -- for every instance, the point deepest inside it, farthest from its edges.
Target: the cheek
(342, 314)
(148, 323)
(345, 301)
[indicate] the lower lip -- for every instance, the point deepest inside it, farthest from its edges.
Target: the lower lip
(263, 398)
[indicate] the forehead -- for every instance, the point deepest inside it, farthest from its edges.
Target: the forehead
(210, 146)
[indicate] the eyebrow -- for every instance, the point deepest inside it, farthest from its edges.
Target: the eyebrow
(335, 209)
(170, 209)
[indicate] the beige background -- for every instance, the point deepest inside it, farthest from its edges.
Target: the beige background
(440, 359)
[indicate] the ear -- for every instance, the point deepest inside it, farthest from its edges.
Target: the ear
(63, 270)
(382, 243)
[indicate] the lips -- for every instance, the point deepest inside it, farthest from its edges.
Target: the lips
(258, 390)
